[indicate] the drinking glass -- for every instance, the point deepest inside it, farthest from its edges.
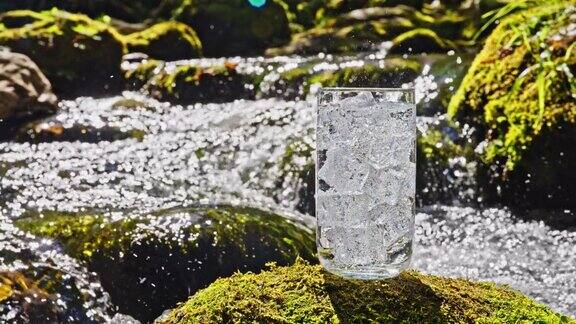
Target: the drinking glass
(365, 180)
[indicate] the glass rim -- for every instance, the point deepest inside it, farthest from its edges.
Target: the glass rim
(366, 89)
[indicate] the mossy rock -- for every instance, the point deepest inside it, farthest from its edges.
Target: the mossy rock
(448, 167)
(41, 294)
(149, 263)
(420, 40)
(190, 83)
(392, 72)
(520, 93)
(339, 37)
(168, 41)
(78, 55)
(318, 12)
(51, 130)
(234, 27)
(307, 294)
(131, 11)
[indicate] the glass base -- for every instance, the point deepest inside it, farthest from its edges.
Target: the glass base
(366, 272)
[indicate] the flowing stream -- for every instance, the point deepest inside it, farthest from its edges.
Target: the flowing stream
(176, 155)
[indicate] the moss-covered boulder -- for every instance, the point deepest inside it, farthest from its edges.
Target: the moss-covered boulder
(352, 26)
(190, 83)
(520, 94)
(358, 31)
(393, 74)
(131, 11)
(149, 263)
(78, 55)
(307, 294)
(236, 27)
(420, 40)
(306, 14)
(41, 294)
(297, 82)
(168, 41)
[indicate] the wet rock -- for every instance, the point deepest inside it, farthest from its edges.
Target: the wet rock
(361, 36)
(297, 82)
(297, 167)
(168, 41)
(129, 103)
(448, 169)
(24, 91)
(48, 131)
(42, 295)
(123, 319)
(190, 83)
(366, 25)
(235, 27)
(304, 293)
(394, 73)
(313, 13)
(78, 55)
(520, 95)
(149, 263)
(420, 40)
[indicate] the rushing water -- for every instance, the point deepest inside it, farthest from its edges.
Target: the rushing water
(210, 153)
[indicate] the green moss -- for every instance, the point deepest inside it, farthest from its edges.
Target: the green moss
(521, 84)
(304, 293)
(177, 251)
(74, 51)
(180, 39)
(190, 83)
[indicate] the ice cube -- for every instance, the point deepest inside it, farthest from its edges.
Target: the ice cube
(394, 150)
(343, 170)
(359, 101)
(342, 210)
(384, 185)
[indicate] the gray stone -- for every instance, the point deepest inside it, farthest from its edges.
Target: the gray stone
(24, 90)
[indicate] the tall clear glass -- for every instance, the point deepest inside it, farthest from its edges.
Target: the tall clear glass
(365, 180)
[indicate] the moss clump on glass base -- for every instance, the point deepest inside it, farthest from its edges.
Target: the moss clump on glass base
(149, 263)
(307, 294)
(520, 94)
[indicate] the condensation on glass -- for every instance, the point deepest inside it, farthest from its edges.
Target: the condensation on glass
(365, 180)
